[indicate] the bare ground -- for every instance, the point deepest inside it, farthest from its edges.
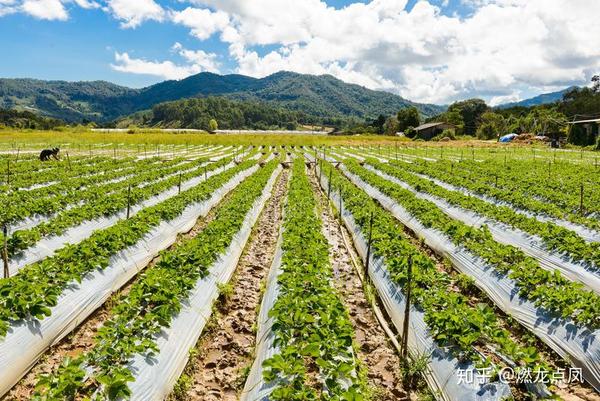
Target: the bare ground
(375, 349)
(82, 338)
(218, 367)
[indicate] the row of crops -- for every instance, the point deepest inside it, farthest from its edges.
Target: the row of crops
(489, 271)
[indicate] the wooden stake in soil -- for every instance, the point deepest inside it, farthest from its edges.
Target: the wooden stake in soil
(7, 171)
(5, 250)
(128, 201)
(205, 174)
(329, 182)
(69, 161)
(341, 206)
(369, 247)
(179, 185)
(581, 200)
(407, 309)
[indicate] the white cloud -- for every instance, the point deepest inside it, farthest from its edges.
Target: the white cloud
(133, 12)
(45, 9)
(422, 54)
(87, 4)
(499, 49)
(195, 62)
(8, 7)
(199, 58)
(202, 22)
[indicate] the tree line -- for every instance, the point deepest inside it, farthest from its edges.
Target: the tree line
(10, 118)
(474, 118)
(210, 113)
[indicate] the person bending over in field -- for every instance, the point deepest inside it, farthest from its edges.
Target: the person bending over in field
(49, 153)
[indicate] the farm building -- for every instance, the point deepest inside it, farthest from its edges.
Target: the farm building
(584, 132)
(430, 130)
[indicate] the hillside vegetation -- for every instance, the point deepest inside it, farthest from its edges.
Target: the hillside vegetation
(215, 112)
(318, 97)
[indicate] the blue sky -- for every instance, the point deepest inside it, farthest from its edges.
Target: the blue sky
(426, 50)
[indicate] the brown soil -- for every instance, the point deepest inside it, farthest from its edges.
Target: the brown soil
(374, 348)
(81, 339)
(225, 351)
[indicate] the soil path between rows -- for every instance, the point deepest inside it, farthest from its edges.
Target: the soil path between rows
(375, 350)
(225, 351)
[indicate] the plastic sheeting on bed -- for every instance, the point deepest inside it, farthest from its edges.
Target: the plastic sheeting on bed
(532, 245)
(443, 374)
(255, 388)
(48, 245)
(576, 344)
(155, 376)
(26, 341)
(584, 232)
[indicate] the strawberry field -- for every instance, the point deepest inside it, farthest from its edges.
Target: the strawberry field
(216, 270)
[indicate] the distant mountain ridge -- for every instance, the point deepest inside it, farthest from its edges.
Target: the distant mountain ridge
(544, 98)
(321, 96)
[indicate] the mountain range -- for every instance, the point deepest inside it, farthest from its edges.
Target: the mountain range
(321, 96)
(545, 98)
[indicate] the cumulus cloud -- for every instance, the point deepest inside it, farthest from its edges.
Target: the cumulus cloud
(8, 7)
(421, 54)
(500, 49)
(202, 22)
(133, 12)
(45, 9)
(199, 58)
(195, 62)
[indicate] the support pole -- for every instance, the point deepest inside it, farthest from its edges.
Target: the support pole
(5, 250)
(69, 160)
(329, 182)
(341, 206)
(179, 186)
(407, 291)
(128, 201)
(370, 239)
(581, 200)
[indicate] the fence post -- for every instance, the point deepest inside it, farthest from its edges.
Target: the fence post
(407, 309)
(5, 250)
(128, 201)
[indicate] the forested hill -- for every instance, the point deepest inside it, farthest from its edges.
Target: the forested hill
(320, 97)
(225, 113)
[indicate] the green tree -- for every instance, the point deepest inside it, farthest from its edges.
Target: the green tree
(492, 125)
(408, 117)
(213, 125)
(391, 126)
(470, 111)
(379, 123)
